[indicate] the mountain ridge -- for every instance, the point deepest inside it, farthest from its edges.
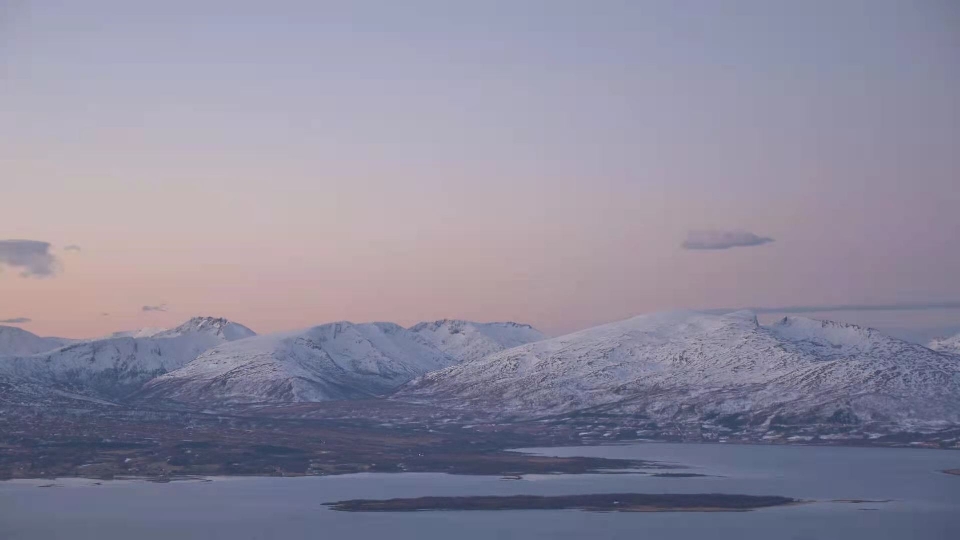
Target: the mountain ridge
(339, 360)
(16, 341)
(333, 361)
(949, 345)
(468, 340)
(689, 367)
(112, 367)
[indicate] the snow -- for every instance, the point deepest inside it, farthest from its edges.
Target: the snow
(111, 367)
(339, 360)
(138, 333)
(18, 342)
(684, 364)
(667, 367)
(333, 361)
(212, 326)
(949, 345)
(466, 341)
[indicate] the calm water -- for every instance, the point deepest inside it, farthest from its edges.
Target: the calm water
(926, 502)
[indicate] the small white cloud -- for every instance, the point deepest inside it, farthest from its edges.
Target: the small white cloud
(160, 307)
(72, 247)
(698, 240)
(16, 320)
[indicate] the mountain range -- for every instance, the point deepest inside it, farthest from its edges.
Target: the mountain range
(209, 360)
(112, 367)
(696, 368)
(331, 362)
(714, 372)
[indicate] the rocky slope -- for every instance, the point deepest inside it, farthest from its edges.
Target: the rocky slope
(332, 361)
(466, 341)
(111, 368)
(711, 371)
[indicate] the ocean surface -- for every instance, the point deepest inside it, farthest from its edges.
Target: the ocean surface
(924, 502)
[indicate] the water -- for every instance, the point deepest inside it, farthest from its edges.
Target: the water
(926, 502)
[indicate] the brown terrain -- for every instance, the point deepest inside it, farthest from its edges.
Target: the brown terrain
(315, 439)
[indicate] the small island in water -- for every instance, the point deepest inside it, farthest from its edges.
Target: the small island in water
(604, 502)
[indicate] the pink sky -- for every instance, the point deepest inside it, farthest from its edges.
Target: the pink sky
(373, 164)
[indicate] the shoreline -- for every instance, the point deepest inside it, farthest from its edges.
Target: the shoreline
(509, 463)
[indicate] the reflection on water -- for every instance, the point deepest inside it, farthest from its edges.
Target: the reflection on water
(925, 503)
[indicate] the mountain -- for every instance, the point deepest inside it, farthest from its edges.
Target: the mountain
(466, 341)
(112, 367)
(138, 333)
(219, 328)
(718, 372)
(948, 345)
(18, 342)
(332, 361)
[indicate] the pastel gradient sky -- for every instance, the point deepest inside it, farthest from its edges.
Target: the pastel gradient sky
(286, 164)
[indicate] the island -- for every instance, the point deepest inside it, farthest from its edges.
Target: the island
(603, 502)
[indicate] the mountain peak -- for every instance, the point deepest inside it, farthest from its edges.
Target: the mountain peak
(19, 342)
(217, 326)
(15, 330)
(947, 345)
(466, 340)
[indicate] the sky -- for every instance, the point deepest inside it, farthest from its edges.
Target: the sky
(561, 163)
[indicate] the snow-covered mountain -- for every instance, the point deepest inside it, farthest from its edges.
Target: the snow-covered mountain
(138, 333)
(466, 341)
(112, 367)
(948, 345)
(18, 342)
(219, 328)
(697, 368)
(332, 361)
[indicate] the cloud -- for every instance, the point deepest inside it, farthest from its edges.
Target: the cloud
(72, 247)
(722, 239)
(161, 307)
(31, 256)
(16, 320)
(104, 314)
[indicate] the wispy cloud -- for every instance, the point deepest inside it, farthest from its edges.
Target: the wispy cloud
(160, 307)
(72, 247)
(16, 320)
(32, 257)
(702, 240)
